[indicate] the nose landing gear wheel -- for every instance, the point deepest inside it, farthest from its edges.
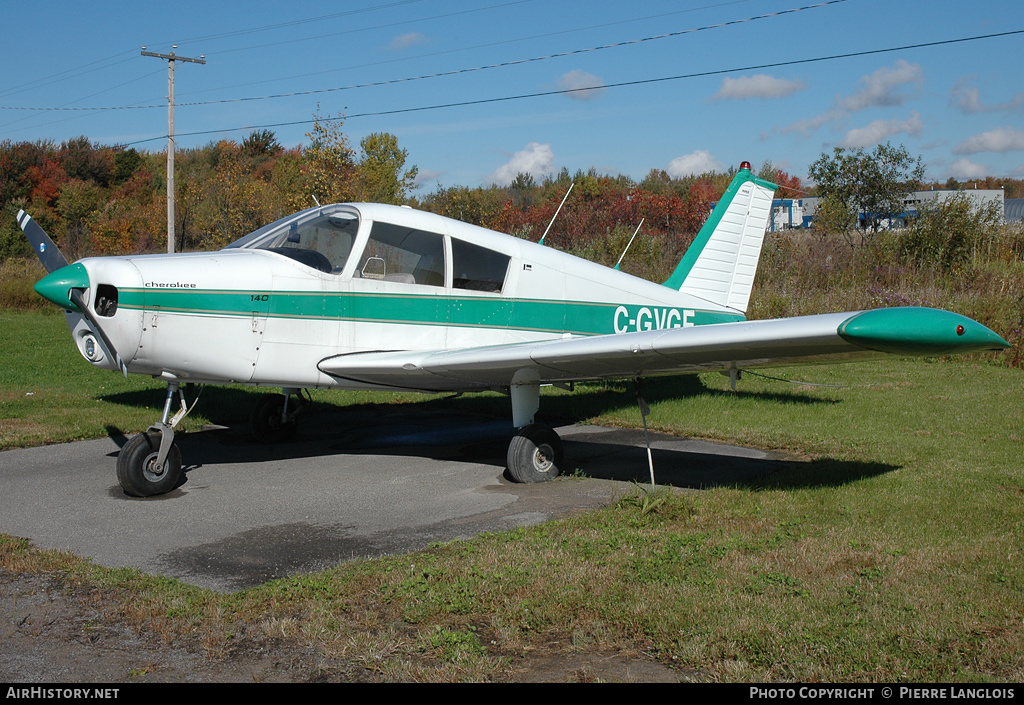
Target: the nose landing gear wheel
(136, 466)
(535, 454)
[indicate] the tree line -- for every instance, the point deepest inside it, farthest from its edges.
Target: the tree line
(95, 199)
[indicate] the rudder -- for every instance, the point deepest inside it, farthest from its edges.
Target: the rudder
(720, 265)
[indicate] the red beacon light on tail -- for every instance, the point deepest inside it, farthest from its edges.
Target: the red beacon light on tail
(745, 165)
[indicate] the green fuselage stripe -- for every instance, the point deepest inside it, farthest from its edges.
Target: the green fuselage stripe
(576, 317)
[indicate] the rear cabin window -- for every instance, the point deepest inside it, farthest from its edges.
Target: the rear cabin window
(477, 268)
(402, 254)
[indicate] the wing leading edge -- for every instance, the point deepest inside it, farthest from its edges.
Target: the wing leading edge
(724, 346)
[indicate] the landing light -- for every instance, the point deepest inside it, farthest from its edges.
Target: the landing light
(92, 351)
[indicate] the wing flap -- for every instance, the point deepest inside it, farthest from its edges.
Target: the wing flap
(646, 353)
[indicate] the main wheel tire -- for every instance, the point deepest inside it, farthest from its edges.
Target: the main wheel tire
(535, 454)
(267, 426)
(135, 463)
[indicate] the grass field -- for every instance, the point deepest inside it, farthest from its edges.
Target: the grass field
(893, 553)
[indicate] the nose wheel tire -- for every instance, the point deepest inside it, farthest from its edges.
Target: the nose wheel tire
(136, 467)
(535, 454)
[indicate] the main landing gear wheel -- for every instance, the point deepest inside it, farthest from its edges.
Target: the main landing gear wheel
(535, 454)
(269, 422)
(137, 471)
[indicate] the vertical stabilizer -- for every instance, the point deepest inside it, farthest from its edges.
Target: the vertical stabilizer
(719, 266)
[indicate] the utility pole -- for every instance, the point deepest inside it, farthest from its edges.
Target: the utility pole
(171, 58)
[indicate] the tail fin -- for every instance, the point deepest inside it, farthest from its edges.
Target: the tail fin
(719, 266)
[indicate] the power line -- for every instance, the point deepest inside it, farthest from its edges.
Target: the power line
(5, 126)
(518, 62)
(373, 27)
(418, 57)
(455, 72)
(523, 96)
(64, 75)
(294, 23)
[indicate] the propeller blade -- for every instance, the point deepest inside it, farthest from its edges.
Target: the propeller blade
(51, 258)
(42, 245)
(76, 297)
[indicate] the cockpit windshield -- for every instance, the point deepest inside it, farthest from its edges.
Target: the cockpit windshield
(320, 238)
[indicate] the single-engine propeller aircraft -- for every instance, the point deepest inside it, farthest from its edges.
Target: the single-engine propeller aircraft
(370, 296)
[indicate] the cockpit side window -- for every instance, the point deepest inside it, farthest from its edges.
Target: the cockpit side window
(403, 254)
(317, 239)
(477, 268)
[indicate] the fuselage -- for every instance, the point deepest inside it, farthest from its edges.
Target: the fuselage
(353, 278)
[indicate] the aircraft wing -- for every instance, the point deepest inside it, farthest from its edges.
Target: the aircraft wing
(724, 346)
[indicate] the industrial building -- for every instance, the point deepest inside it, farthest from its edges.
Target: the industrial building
(799, 213)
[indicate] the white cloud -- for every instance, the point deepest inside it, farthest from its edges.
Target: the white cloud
(694, 163)
(966, 169)
(537, 160)
(880, 130)
(1001, 139)
(965, 97)
(425, 177)
(405, 41)
(576, 80)
(882, 88)
(878, 90)
(809, 125)
(757, 86)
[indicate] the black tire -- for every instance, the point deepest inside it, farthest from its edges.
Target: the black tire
(135, 466)
(266, 420)
(535, 454)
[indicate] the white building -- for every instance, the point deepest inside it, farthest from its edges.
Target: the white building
(978, 198)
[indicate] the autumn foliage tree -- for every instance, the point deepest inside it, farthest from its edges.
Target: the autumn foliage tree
(329, 162)
(381, 173)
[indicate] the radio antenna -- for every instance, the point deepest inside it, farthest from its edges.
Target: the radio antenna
(541, 242)
(628, 244)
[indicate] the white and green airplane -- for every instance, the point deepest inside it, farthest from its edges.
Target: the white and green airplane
(370, 296)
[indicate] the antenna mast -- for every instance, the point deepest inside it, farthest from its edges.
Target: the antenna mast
(628, 244)
(541, 241)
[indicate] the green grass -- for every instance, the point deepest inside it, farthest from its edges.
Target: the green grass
(892, 551)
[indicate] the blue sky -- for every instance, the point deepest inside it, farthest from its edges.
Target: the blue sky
(960, 106)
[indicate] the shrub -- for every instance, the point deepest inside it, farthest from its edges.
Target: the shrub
(950, 233)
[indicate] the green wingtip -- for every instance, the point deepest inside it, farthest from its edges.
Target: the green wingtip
(919, 331)
(56, 285)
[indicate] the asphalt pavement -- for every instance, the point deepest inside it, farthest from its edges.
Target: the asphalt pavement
(348, 486)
